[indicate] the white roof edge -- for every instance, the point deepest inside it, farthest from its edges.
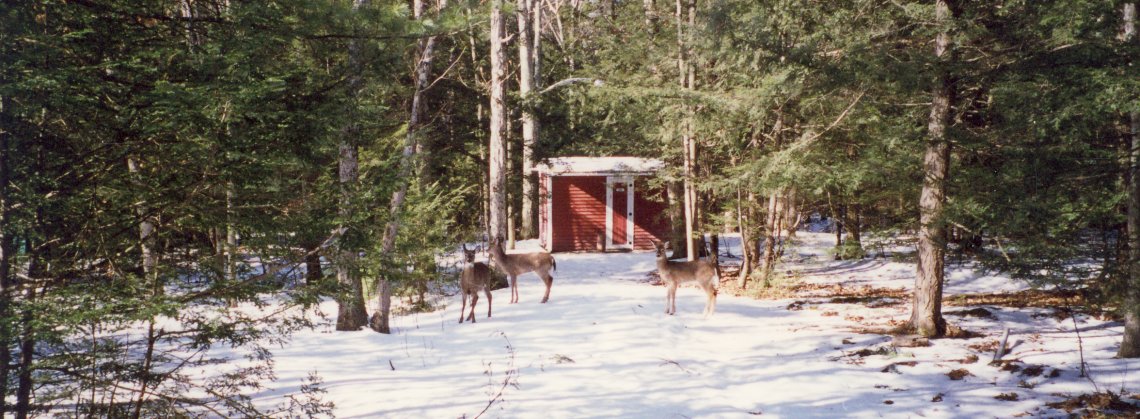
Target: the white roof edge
(599, 165)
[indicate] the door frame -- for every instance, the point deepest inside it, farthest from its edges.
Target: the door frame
(628, 181)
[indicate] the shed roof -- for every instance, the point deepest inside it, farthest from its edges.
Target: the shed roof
(599, 165)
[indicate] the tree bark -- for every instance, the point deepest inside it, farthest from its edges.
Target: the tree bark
(1130, 345)
(650, 15)
(7, 252)
(677, 241)
(498, 147)
(770, 236)
(313, 270)
(686, 79)
(351, 312)
(146, 228)
(24, 381)
(528, 13)
(926, 312)
(791, 211)
(745, 239)
(381, 315)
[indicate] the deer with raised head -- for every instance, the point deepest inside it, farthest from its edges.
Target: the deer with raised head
(476, 277)
(673, 274)
(541, 263)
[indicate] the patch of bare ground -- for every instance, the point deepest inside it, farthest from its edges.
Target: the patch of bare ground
(730, 285)
(1009, 397)
(959, 374)
(1106, 404)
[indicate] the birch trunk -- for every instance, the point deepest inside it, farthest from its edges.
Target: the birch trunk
(650, 9)
(351, 313)
(529, 37)
(497, 158)
(685, 73)
(926, 312)
(1130, 346)
(146, 229)
(381, 314)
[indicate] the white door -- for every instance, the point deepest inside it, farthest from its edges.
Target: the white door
(619, 212)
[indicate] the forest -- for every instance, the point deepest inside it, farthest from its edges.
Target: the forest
(186, 180)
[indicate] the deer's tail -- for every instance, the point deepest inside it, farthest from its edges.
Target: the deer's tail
(553, 263)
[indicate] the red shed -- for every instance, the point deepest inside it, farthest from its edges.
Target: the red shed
(590, 202)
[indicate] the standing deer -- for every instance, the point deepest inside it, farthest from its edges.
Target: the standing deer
(541, 263)
(476, 277)
(704, 273)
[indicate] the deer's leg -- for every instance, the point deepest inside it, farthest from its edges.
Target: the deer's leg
(514, 289)
(671, 299)
(463, 309)
(710, 301)
(548, 279)
(487, 292)
(713, 299)
(474, 299)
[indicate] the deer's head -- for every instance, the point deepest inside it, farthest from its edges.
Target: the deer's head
(469, 255)
(497, 242)
(660, 248)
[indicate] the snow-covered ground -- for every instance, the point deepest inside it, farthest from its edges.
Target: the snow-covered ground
(603, 347)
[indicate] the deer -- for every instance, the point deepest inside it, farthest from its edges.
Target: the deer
(476, 276)
(541, 263)
(705, 273)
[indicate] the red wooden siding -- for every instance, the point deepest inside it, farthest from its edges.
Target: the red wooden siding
(650, 215)
(579, 212)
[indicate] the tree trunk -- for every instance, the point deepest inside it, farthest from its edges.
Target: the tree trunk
(24, 382)
(745, 253)
(528, 40)
(231, 242)
(381, 315)
(498, 147)
(351, 313)
(926, 313)
(650, 15)
(791, 212)
(7, 252)
(1130, 346)
(770, 226)
(677, 241)
(684, 69)
(313, 270)
(146, 229)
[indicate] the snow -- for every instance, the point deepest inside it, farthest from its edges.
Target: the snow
(603, 347)
(599, 165)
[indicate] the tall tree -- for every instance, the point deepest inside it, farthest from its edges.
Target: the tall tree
(425, 54)
(926, 312)
(6, 251)
(1130, 346)
(351, 312)
(529, 16)
(497, 150)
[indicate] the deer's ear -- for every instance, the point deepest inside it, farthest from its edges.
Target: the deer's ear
(465, 247)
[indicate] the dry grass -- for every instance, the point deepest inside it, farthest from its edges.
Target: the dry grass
(1106, 404)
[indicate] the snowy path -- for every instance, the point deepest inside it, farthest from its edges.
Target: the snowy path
(602, 347)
